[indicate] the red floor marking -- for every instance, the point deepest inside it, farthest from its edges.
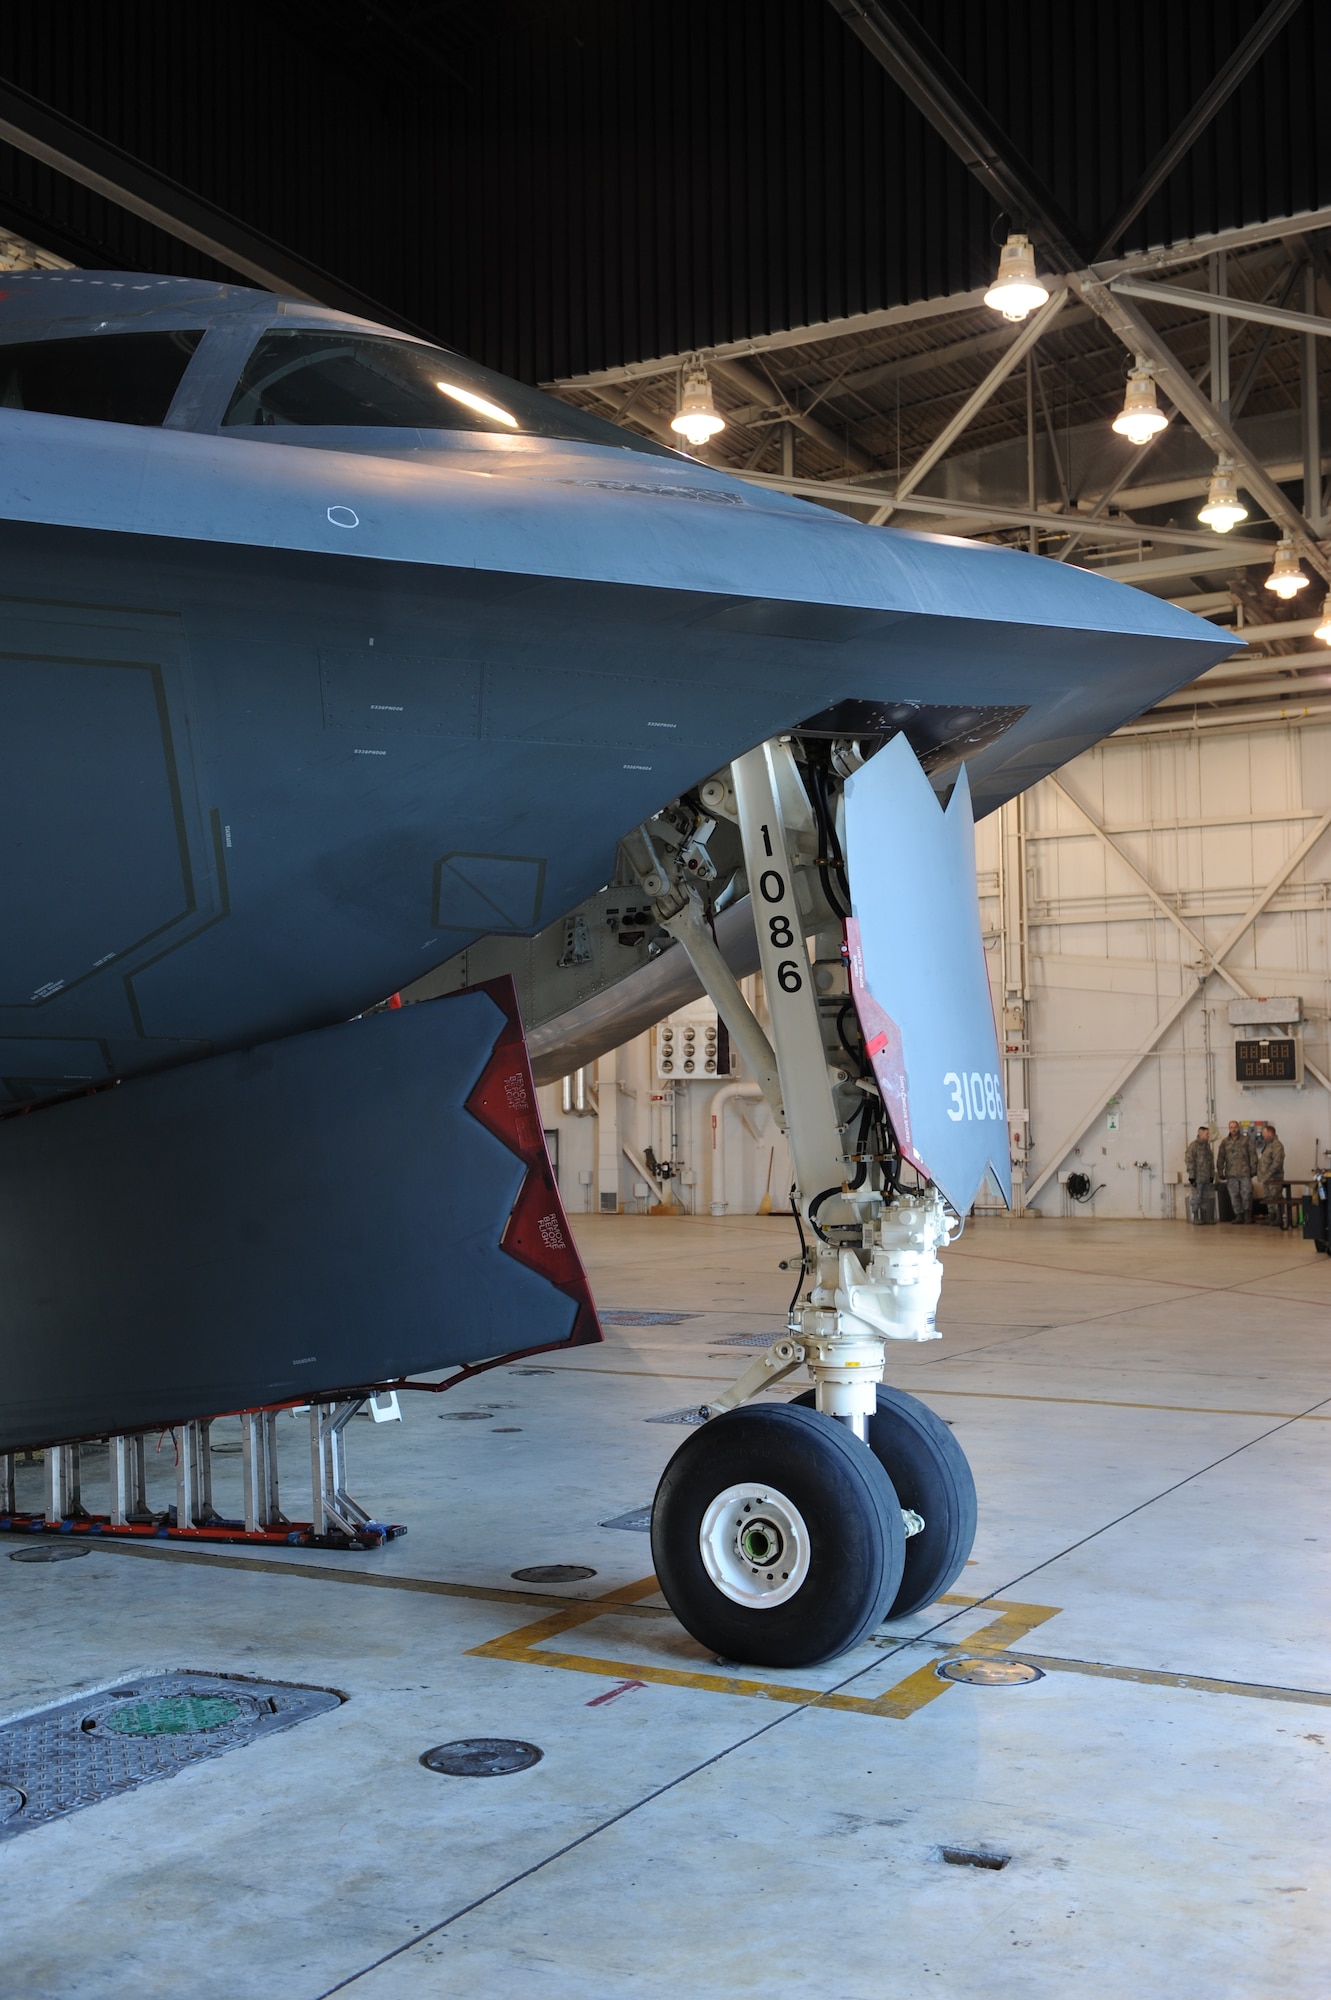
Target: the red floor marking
(625, 1687)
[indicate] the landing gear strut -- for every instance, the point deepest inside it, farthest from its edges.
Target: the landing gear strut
(783, 1535)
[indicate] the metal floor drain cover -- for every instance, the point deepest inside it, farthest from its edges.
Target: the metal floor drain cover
(467, 1416)
(482, 1757)
(50, 1552)
(989, 1673)
(75, 1753)
(553, 1573)
(638, 1518)
(646, 1319)
(748, 1340)
(691, 1414)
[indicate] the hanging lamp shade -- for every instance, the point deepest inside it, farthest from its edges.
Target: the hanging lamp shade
(1286, 578)
(697, 417)
(1323, 631)
(1223, 507)
(1016, 290)
(1141, 416)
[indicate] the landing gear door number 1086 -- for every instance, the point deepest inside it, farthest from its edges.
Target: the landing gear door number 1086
(779, 925)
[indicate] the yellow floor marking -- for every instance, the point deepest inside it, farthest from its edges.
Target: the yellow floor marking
(899, 1701)
(221, 1560)
(528, 1647)
(1195, 1683)
(1109, 1403)
(1013, 1625)
(934, 1388)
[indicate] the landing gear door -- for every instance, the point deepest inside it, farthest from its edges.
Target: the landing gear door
(918, 973)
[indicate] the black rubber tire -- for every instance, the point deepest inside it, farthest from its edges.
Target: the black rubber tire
(856, 1540)
(930, 1474)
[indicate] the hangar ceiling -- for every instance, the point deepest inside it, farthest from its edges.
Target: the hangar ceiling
(562, 185)
(809, 194)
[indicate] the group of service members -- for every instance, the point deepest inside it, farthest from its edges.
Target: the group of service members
(1248, 1164)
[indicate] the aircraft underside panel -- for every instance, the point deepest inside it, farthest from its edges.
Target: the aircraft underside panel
(347, 1206)
(246, 793)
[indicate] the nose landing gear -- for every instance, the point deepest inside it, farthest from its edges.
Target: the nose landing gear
(784, 1535)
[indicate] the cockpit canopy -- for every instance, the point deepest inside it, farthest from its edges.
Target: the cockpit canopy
(114, 378)
(218, 358)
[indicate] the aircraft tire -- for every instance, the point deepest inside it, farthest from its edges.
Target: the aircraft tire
(931, 1476)
(777, 1537)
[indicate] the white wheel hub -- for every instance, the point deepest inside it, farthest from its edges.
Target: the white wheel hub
(754, 1546)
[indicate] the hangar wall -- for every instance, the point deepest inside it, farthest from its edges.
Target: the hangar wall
(623, 1115)
(1130, 866)
(1102, 893)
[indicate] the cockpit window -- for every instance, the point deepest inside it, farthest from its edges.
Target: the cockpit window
(116, 378)
(343, 379)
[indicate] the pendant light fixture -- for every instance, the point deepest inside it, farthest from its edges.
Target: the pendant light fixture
(697, 417)
(1141, 416)
(1286, 578)
(1323, 631)
(1223, 507)
(1016, 290)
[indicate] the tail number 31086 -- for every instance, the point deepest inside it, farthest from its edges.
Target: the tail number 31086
(975, 1095)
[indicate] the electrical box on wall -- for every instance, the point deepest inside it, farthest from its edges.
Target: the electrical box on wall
(692, 1045)
(1281, 1012)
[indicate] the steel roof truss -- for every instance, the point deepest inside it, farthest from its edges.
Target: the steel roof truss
(1141, 338)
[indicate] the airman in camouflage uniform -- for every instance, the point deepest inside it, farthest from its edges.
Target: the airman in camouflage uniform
(1199, 1161)
(1270, 1173)
(1234, 1165)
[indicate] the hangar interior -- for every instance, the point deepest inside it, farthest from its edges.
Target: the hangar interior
(1107, 892)
(494, 1758)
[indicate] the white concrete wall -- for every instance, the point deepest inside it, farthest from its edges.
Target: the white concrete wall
(1085, 963)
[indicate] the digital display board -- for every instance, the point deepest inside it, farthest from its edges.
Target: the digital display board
(1266, 1062)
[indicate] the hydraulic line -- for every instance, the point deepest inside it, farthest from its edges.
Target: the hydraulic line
(831, 855)
(856, 1055)
(804, 1257)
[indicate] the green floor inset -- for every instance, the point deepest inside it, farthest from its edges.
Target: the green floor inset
(175, 1715)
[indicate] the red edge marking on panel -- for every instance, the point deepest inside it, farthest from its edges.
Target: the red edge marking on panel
(537, 1233)
(882, 1045)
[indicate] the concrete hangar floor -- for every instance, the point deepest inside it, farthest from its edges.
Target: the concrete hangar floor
(1146, 1409)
